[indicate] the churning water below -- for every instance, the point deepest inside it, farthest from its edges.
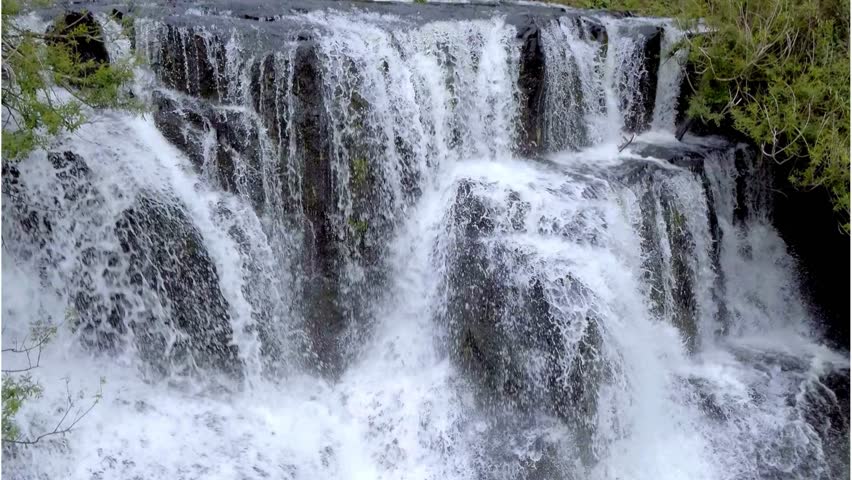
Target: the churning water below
(626, 319)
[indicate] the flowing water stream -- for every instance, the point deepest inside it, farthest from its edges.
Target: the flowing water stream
(330, 253)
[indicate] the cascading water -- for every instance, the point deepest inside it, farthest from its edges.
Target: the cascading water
(364, 244)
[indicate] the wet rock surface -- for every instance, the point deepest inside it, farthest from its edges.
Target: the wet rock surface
(173, 275)
(498, 324)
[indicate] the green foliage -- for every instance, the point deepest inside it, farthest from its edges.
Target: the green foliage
(646, 7)
(775, 70)
(778, 71)
(48, 82)
(15, 392)
(17, 385)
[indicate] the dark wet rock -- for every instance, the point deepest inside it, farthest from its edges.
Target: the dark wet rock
(238, 143)
(680, 304)
(182, 125)
(325, 321)
(594, 29)
(659, 206)
(682, 247)
(190, 61)
(35, 225)
(268, 80)
(806, 220)
(653, 268)
(173, 275)
(638, 115)
(157, 273)
(229, 140)
(691, 157)
(826, 409)
(707, 400)
(477, 340)
(687, 83)
(488, 310)
(517, 447)
(224, 137)
(531, 82)
(36, 217)
(684, 155)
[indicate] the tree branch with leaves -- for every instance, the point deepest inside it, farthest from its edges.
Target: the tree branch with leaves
(51, 78)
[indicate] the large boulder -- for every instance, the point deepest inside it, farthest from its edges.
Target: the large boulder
(142, 279)
(505, 331)
(184, 319)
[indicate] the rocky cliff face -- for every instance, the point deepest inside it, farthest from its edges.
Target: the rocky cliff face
(288, 109)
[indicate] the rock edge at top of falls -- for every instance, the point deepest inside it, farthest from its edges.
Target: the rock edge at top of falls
(259, 12)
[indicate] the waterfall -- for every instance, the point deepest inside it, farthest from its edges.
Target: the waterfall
(670, 76)
(401, 241)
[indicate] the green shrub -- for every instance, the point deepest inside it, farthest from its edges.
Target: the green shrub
(778, 71)
(16, 390)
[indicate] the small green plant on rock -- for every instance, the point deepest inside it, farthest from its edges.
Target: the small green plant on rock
(359, 226)
(360, 171)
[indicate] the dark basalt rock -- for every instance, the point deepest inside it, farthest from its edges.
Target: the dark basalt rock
(35, 225)
(237, 138)
(36, 217)
(187, 63)
(186, 122)
(826, 409)
(656, 201)
(531, 81)
(324, 318)
(638, 118)
(691, 157)
(682, 247)
(488, 311)
(806, 220)
(157, 273)
(266, 85)
(182, 124)
(594, 29)
(173, 275)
